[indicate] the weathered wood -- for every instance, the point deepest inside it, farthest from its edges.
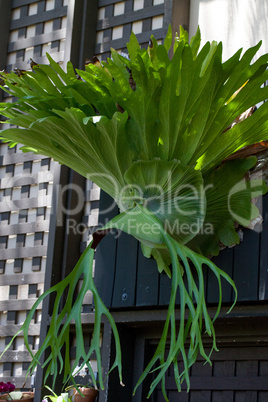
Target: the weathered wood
(23, 252)
(18, 157)
(38, 226)
(39, 17)
(37, 40)
(21, 279)
(25, 203)
(180, 15)
(88, 318)
(138, 15)
(57, 56)
(16, 356)
(12, 329)
(18, 304)
(26, 179)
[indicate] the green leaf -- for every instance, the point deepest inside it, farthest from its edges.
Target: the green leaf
(136, 223)
(229, 197)
(184, 36)
(70, 139)
(173, 343)
(173, 193)
(195, 42)
(162, 259)
(168, 39)
(153, 132)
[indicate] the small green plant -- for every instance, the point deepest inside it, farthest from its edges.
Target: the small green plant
(55, 398)
(82, 379)
(155, 133)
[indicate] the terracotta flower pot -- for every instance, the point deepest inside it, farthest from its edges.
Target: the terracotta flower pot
(26, 397)
(90, 395)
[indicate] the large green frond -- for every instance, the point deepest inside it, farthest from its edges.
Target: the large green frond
(153, 131)
(228, 196)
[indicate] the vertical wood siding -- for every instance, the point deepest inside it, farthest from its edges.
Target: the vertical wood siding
(138, 284)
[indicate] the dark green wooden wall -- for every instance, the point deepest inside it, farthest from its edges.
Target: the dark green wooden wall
(126, 279)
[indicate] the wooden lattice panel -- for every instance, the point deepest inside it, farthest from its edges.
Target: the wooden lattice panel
(26, 182)
(36, 27)
(117, 19)
(25, 199)
(17, 295)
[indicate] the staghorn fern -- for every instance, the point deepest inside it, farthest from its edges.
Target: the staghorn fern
(153, 132)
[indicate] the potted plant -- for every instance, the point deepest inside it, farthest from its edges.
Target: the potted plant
(85, 394)
(155, 133)
(63, 397)
(9, 393)
(85, 390)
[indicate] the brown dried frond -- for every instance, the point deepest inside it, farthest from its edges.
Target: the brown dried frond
(131, 81)
(19, 72)
(33, 63)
